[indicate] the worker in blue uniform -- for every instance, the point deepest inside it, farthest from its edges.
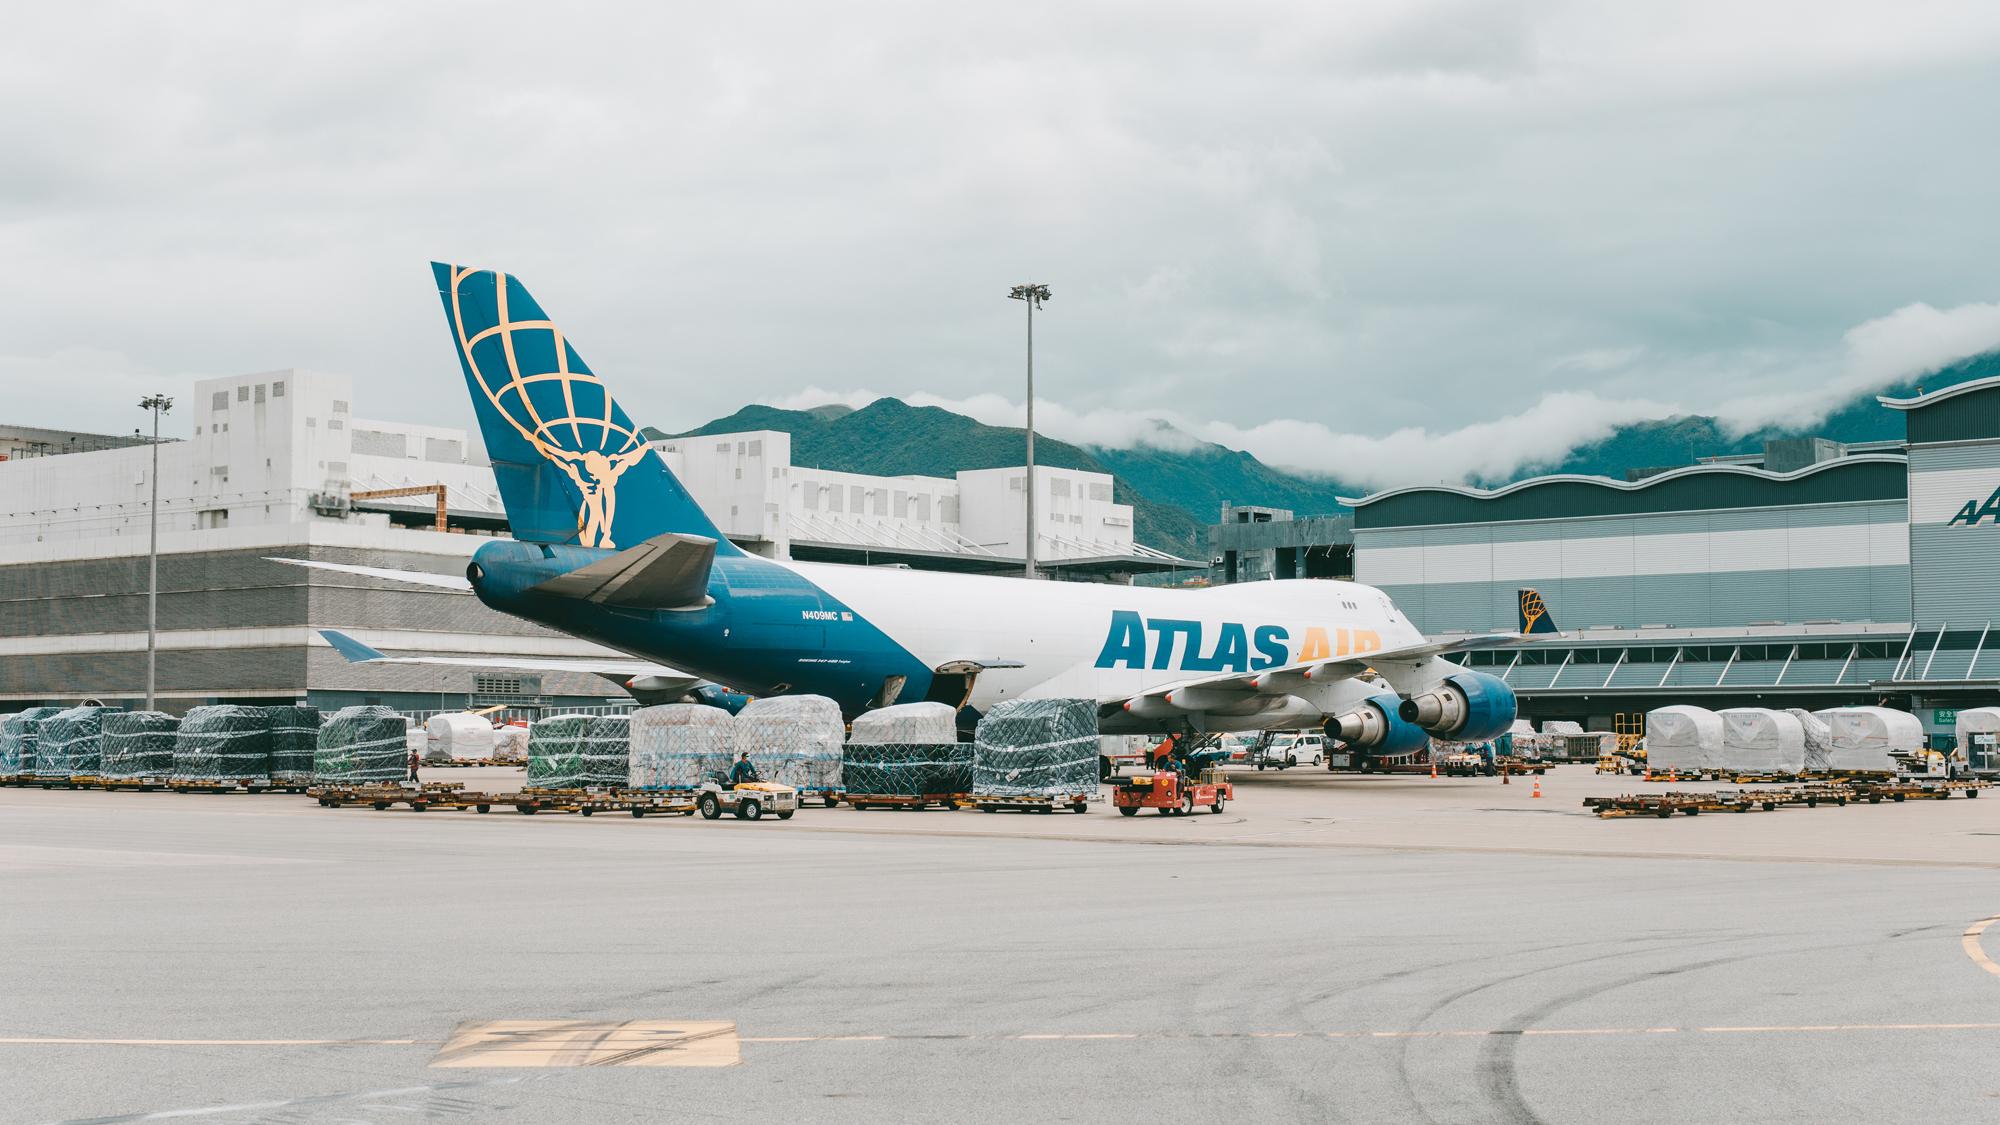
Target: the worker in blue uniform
(743, 772)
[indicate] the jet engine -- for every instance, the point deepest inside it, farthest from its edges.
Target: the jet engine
(1467, 707)
(1375, 727)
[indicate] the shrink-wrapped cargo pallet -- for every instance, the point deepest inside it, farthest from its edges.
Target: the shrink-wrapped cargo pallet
(294, 742)
(1866, 739)
(225, 743)
(138, 744)
(1685, 739)
(607, 752)
(555, 752)
(20, 737)
(457, 736)
(71, 743)
(1978, 731)
(361, 745)
(1036, 747)
(905, 724)
(679, 745)
(908, 769)
(1818, 738)
(793, 740)
(510, 744)
(1760, 740)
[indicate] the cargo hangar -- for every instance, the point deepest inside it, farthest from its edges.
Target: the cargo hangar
(1814, 575)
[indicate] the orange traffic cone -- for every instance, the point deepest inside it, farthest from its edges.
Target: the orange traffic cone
(1538, 787)
(1649, 773)
(1434, 769)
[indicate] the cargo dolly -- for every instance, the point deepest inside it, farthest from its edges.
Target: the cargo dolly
(947, 801)
(1033, 802)
(430, 795)
(1664, 805)
(142, 784)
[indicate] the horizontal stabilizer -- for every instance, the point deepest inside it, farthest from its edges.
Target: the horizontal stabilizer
(454, 582)
(668, 571)
(655, 680)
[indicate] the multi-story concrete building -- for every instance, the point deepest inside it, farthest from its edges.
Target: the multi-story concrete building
(278, 465)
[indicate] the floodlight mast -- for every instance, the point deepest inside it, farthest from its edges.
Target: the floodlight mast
(1033, 296)
(158, 404)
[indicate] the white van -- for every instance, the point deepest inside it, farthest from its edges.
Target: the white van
(1294, 748)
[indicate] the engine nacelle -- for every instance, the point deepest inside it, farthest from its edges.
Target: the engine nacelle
(1466, 707)
(1376, 727)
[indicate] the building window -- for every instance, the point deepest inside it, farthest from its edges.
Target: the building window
(757, 448)
(243, 393)
(948, 509)
(278, 389)
(1100, 492)
(1014, 484)
(219, 401)
(722, 447)
(335, 424)
(834, 494)
(339, 406)
(260, 392)
(859, 504)
(1058, 487)
(311, 422)
(810, 497)
(881, 501)
(197, 431)
(902, 505)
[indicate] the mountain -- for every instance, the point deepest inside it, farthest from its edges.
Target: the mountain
(1680, 440)
(889, 437)
(1177, 486)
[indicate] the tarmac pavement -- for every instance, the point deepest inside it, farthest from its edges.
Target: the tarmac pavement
(1330, 948)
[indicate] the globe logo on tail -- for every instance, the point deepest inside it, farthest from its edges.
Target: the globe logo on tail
(1532, 610)
(535, 382)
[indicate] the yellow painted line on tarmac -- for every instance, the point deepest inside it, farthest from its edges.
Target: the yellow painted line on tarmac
(1973, 948)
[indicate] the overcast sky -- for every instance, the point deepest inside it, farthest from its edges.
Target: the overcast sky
(1396, 240)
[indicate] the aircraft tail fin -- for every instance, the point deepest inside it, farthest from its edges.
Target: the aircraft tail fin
(571, 465)
(1535, 616)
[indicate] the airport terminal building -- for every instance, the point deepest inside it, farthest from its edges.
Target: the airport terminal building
(1812, 576)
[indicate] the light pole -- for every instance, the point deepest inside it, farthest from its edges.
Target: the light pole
(1033, 296)
(158, 404)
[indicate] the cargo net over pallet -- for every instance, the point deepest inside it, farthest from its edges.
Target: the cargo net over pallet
(223, 745)
(1037, 749)
(360, 746)
(294, 743)
(20, 740)
(680, 745)
(71, 744)
(793, 740)
(138, 746)
(579, 752)
(908, 751)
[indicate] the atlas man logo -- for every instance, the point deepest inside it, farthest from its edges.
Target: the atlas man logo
(1180, 644)
(1972, 513)
(565, 415)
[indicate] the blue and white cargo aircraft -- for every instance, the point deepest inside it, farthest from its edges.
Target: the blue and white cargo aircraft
(608, 546)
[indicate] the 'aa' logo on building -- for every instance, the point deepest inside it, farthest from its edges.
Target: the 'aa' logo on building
(1973, 512)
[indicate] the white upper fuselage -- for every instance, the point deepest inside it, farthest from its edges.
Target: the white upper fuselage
(1110, 642)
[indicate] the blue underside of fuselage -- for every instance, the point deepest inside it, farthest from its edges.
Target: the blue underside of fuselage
(769, 631)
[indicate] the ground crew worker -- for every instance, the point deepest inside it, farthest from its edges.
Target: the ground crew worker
(743, 772)
(416, 759)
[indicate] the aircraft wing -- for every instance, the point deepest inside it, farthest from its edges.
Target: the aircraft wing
(1206, 692)
(661, 680)
(454, 582)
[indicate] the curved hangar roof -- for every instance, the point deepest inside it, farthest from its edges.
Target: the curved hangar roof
(1968, 411)
(1857, 478)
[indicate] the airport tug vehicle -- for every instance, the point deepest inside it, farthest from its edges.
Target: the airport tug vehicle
(748, 800)
(1171, 792)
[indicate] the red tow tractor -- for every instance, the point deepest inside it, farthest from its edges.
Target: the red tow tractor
(1169, 792)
